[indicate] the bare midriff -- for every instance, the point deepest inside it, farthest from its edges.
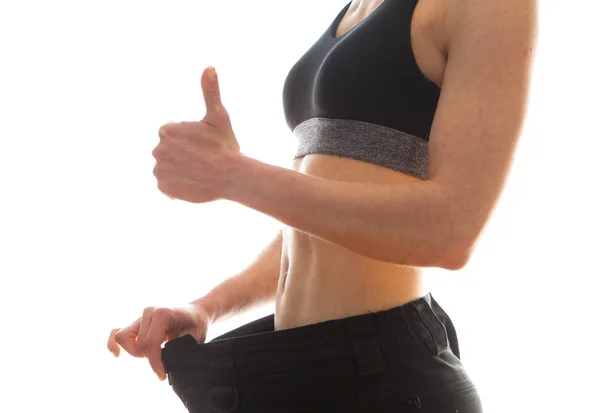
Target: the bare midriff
(322, 281)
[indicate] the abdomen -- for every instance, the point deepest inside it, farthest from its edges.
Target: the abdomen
(320, 280)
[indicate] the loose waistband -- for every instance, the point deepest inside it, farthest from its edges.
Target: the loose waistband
(256, 348)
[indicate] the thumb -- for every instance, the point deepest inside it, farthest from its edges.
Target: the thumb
(212, 95)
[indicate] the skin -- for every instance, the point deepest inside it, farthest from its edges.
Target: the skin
(320, 280)
(321, 277)
(356, 235)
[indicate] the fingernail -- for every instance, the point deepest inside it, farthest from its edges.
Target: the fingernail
(212, 73)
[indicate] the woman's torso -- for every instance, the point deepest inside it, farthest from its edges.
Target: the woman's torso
(320, 280)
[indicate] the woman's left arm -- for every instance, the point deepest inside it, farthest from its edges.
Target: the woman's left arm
(433, 223)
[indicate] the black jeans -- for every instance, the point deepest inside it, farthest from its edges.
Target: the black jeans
(404, 359)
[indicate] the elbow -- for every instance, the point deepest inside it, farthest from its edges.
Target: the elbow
(454, 262)
(452, 259)
(457, 256)
(454, 254)
(456, 240)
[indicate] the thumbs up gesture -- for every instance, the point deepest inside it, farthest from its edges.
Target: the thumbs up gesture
(194, 159)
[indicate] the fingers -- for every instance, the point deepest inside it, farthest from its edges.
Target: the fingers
(126, 338)
(112, 345)
(153, 350)
(167, 130)
(157, 325)
(194, 333)
(144, 326)
(145, 336)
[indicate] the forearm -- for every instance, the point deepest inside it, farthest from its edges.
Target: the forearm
(255, 285)
(407, 223)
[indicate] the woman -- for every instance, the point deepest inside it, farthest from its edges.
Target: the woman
(407, 117)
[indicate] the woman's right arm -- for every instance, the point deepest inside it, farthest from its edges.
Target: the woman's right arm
(255, 285)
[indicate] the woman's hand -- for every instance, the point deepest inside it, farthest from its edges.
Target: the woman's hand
(196, 160)
(144, 337)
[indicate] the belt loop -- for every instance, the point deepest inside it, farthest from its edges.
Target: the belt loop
(361, 333)
(450, 329)
(436, 329)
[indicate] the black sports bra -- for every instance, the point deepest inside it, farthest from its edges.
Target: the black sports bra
(362, 95)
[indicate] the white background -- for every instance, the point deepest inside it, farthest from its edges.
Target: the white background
(87, 241)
